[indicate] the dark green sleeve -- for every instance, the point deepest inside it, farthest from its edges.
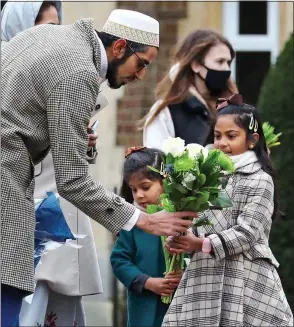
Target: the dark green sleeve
(123, 259)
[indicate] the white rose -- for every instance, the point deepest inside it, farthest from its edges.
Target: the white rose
(173, 145)
(195, 149)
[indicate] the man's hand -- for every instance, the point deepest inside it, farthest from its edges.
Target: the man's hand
(165, 223)
(162, 286)
(92, 140)
(92, 137)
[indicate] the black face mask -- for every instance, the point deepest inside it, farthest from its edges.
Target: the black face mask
(216, 80)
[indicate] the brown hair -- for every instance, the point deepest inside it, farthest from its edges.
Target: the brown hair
(194, 48)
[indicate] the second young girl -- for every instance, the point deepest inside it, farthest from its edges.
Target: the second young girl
(232, 277)
(137, 257)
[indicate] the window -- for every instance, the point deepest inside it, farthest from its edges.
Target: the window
(251, 68)
(253, 29)
(252, 17)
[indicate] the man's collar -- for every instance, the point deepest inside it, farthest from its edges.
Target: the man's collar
(104, 61)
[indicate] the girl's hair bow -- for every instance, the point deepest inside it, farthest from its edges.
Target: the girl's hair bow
(236, 99)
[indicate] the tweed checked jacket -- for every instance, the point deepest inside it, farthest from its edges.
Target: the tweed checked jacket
(237, 285)
(49, 88)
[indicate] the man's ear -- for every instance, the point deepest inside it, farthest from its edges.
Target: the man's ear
(119, 48)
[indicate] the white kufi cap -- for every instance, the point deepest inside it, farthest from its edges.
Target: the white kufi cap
(133, 26)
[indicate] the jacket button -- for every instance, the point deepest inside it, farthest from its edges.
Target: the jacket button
(118, 201)
(98, 106)
(109, 210)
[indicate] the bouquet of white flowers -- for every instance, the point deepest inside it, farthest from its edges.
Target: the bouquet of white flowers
(193, 180)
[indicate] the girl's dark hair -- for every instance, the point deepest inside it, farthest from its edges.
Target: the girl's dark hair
(45, 6)
(243, 114)
(138, 162)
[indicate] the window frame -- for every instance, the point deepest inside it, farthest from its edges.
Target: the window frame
(254, 42)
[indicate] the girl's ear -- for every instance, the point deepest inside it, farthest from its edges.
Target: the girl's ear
(255, 139)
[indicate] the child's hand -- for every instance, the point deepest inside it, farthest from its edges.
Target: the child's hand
(178, 275)
(186, 243)
(162, 286)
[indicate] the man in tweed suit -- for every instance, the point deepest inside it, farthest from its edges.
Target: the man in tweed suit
(50, 82)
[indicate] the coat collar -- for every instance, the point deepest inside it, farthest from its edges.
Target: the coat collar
(104, 61)
(246, 163)
(86, 26)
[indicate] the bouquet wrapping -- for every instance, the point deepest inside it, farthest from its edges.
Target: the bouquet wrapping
(51, 229)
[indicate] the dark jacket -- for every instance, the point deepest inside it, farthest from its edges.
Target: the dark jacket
(192, 121)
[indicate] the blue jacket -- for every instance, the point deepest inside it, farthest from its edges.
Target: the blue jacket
(136, 253)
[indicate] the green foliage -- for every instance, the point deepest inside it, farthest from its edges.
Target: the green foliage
(271, 138)
(276, 105)
(153, 208)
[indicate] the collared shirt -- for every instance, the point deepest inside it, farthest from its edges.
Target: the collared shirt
(104, 61)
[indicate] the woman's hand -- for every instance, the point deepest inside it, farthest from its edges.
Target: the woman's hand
(185, 243)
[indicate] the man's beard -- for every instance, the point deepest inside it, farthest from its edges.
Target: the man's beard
(111, 74)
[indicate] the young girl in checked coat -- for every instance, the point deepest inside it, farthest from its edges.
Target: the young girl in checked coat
(232, 278)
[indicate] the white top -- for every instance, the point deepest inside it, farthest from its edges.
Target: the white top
(160, 129)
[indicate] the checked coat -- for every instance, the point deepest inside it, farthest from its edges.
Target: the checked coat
(237, 284)
(49, 87)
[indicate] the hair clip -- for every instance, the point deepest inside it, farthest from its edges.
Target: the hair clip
(163, 172)
(255, 126)
(251, 124)
(133, 149)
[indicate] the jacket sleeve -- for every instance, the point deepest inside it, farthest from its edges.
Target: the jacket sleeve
(255, 218)
(122, 261)
(68, 112)
(159, 130)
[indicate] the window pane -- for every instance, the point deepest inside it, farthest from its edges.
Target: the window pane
(252, 17)
(251, 68)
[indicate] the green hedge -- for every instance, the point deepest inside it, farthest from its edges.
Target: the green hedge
(276, 105)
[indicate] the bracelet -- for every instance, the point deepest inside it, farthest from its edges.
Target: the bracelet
(206, 245)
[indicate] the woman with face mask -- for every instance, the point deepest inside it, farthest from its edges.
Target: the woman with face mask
(188, 93)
